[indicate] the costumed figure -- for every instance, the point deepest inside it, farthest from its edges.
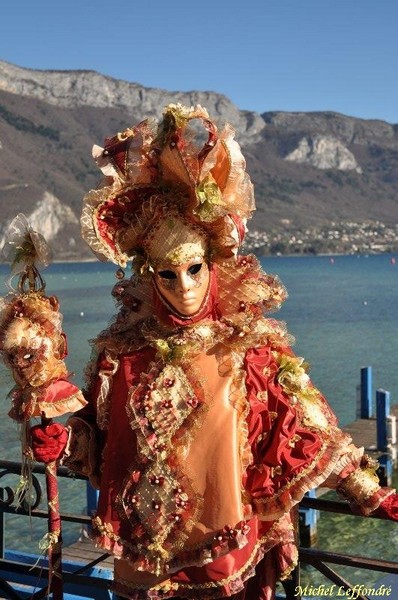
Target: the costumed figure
(203, 430)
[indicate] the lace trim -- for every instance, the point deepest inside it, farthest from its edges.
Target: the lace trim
(106, 377)
(221, 543)
(288, 571)
(349, 461)
(239, 400)
(214, 589)
(244, 292)
(59, 408)
(362, 488)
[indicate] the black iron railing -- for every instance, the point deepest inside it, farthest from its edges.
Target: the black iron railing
(321, 560)
(81, 577)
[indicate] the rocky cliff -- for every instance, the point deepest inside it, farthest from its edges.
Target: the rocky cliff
(309, 169)
(72, 89)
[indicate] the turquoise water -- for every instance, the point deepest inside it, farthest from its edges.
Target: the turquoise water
(344, 315)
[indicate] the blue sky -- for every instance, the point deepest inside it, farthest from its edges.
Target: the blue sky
(291, 55)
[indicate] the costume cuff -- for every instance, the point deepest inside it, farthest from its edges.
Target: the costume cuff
(361, 487)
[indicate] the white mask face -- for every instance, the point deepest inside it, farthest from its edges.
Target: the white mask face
(183, 286)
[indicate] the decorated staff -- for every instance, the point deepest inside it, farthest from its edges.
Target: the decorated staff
(33, 346)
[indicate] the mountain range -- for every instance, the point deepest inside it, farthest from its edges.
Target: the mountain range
(313, 172)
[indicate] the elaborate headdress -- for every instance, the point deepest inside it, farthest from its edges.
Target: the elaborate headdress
(170, 193)
(165, 177)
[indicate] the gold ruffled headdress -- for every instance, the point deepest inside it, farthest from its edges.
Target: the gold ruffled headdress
(164, 174)
(167, 196)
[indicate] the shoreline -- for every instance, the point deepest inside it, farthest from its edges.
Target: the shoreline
(259, 257)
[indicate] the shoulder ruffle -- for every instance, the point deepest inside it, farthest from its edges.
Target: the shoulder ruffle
(293, 433)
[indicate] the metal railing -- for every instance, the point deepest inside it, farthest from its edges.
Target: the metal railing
(318, 558)
(79, 578)
(81, 575)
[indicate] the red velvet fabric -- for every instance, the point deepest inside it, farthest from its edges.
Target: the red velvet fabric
(270, 439)
(273, 424)
(121, 444)
(389, 508)
(48, 442)
(58, 390)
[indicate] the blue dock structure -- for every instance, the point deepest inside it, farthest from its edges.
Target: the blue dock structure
(378, 434)
(308, 519)
(376, 431)
(366, 404)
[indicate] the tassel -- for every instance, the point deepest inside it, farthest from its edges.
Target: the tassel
(49, 541)
(23, 491)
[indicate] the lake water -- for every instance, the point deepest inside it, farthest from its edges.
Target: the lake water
(343, 313)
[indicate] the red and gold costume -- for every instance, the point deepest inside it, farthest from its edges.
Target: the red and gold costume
(202, 432)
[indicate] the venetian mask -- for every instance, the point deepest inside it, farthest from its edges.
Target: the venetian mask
(177, 252)
(185, 285)
(31, 339)
(30, 353)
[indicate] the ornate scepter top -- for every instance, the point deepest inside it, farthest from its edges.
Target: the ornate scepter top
(32, 342)
(27, 251)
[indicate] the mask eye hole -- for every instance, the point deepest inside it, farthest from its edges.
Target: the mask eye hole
(167, 274)
(194, 269)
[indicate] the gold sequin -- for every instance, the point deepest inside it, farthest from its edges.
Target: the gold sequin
(262, 396)
(276, 471)
(293, 440)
